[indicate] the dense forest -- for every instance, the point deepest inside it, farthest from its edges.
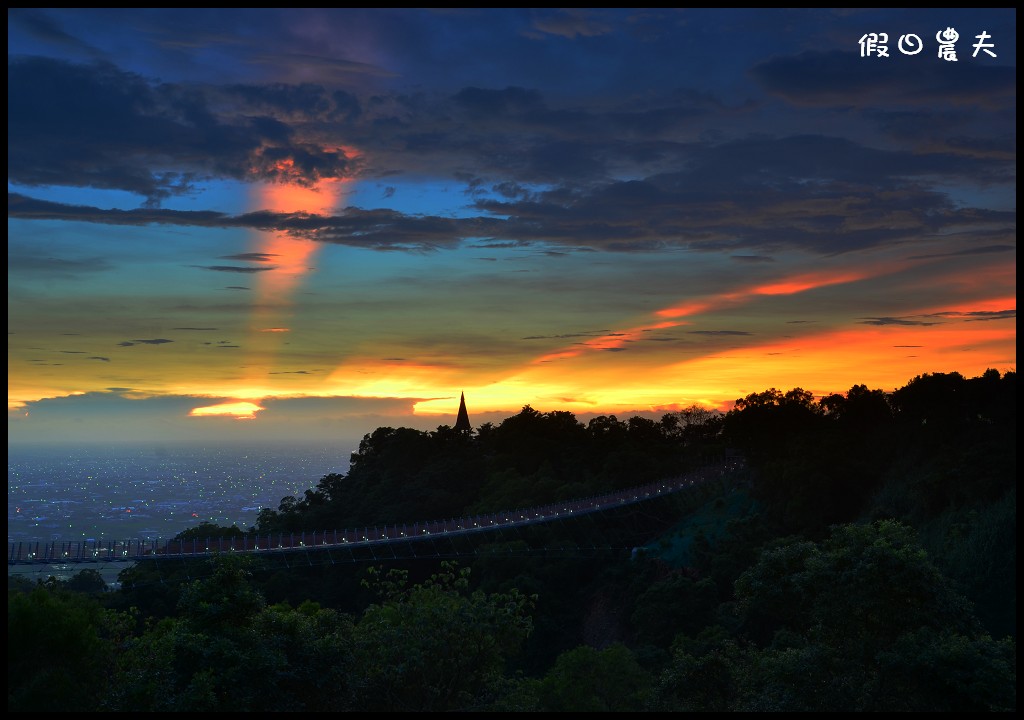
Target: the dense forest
(863, 559)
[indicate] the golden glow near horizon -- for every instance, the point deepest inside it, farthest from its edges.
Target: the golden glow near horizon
(237, 410)
(618, 370)
(577, 379)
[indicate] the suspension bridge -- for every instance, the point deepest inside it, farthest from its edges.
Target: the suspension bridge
(371, 541)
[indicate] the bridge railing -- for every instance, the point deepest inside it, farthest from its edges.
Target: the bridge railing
(22, 552)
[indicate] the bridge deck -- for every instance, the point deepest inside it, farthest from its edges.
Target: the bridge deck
(140, 549)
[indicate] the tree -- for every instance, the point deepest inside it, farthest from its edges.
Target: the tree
(86, 581)
(435, 647)
(227, 651)
(589, 680)
(60, 649)
(863, 621)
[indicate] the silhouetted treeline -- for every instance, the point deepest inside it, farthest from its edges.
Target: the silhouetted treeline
(865, 562)
(532, 458)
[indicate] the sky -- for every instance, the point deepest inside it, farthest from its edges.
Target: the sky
(277, 224)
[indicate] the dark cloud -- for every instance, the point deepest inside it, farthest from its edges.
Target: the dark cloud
(21, 262)
(236, 287)
(304, 100)
(631, 174)
(699, 209)
(845, 79)
(290, 372)
(895, 321)
(152, 341)
(511, 190)
(331, 67)
(489, 103)
(976, 315)
(570, 22)
(97, 357)
(28, 208)
(251, 257)
(985, 250)
(149, 138)
(955, 131)
(46, 28)
(73, 352)
(585, 333)
(233, 268)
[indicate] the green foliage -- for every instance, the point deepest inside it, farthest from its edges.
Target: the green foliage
(434, 646)
(590, 680)
(227, 651)
(87, 581)
(839, 616)
(943, 440)
(673, 605)
(977, 550)
(704, 674)
(224, 603)
(60, 649)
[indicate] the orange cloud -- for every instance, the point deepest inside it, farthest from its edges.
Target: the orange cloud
(610, 341)
(237, 410)
(787, 286)
(810, 281)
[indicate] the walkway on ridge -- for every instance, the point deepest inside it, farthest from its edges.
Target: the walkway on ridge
(152, 550)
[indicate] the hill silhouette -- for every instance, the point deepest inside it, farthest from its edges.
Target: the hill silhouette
(866, 562)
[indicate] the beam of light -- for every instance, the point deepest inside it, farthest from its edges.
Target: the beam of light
(292, 257)
(236, 410)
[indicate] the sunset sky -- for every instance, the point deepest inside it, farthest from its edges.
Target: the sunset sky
(304, 224)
